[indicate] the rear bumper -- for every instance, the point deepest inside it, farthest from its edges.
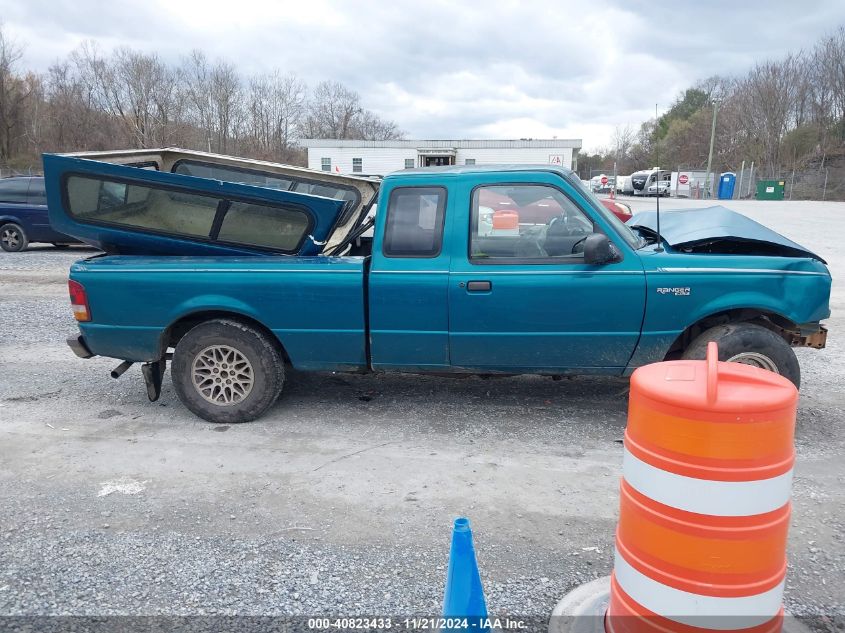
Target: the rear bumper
(79, 347)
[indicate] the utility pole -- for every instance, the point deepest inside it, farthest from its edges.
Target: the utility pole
(707, 187)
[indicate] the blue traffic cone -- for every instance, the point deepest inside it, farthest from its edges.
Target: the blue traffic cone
(464, 599)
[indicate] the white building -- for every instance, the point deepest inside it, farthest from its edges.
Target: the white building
(383, 157)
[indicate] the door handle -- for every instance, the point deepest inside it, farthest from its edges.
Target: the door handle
(479, 286)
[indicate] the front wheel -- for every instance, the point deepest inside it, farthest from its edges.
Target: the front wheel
(226, 371)
(12, 238)
(749, 344)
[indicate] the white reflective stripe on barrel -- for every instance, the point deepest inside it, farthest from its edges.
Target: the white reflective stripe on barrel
(706, 496)
(724, 614)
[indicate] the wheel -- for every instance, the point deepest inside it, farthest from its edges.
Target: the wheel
(12, 238)
(750, 344)
(228, 372)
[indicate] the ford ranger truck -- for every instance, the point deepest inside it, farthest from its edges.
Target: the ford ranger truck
(231, 270)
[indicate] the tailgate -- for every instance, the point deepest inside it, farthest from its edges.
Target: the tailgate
(129, 210)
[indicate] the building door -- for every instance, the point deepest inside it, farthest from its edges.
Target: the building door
(438, 161)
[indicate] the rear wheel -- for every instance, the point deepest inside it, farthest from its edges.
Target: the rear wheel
(12, 238)
(226, 371)
(749, 344)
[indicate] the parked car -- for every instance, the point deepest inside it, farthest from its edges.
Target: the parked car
(239, 280)
(619, 209)
(544, 210)
(23, 215)
(660, 188)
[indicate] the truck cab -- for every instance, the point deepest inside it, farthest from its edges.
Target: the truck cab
(473, 287)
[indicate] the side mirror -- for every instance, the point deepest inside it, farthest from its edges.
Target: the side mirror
(597, 249)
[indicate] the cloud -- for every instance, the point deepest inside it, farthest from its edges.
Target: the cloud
(495, 68)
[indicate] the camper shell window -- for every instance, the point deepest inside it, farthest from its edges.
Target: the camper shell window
(269, 180)
(171, 211)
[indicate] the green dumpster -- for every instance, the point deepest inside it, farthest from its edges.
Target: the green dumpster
(770, 189)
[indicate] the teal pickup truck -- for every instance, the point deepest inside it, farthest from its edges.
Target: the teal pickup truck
(233, 269)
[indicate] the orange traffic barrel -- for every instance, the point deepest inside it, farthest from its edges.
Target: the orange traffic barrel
(704, 507)
(505, 220)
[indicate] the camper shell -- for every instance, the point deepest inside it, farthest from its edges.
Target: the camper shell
(197, 203)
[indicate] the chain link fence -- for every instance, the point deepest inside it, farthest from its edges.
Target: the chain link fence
(32, 170)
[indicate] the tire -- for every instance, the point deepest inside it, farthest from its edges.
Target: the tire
(750, 344)
(13, 238)
(220, 345)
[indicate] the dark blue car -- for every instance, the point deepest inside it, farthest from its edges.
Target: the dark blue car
(23, 215)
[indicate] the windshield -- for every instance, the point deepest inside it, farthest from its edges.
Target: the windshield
(621, 228)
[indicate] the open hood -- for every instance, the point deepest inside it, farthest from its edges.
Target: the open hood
(718, 230)
(177, 202)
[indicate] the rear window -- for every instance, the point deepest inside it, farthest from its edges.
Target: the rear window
(414, 222)
(14, 190)
(37, 191)
(179, 213)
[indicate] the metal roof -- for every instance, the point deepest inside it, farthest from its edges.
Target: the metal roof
(472, 169)
(574, 143)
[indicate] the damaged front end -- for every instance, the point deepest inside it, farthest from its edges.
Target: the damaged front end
(718, 230)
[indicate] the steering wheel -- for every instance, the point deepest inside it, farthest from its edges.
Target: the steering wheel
(568, 229)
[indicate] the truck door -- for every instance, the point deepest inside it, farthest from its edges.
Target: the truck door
(408, 313)
(521, 297)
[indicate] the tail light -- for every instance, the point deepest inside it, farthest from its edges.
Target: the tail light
(78, 300)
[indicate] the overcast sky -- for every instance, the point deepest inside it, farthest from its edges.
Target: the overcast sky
(459, 68)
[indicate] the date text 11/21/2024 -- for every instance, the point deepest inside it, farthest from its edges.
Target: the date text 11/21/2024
(421, 623)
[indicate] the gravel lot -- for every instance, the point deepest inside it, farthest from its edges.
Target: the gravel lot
(340, 500)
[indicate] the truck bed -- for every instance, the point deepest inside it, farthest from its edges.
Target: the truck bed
(300, 299)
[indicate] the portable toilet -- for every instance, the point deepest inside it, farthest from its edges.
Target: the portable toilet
(727, 182)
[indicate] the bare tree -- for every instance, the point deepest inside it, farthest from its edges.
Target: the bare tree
(370, 127)
(332, 111)
(766, 100)
(623, 139)
(276, 104)
(15, 94)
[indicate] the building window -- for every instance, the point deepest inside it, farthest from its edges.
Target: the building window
(326, 164)
(409, 163)
(469, 161)
(357, 164)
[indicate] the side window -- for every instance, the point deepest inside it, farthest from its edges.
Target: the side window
(414, 225)
(37, 191)
(259, 225)
(110, 202)
(14, 190)
(526, 222)
(165, 210)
